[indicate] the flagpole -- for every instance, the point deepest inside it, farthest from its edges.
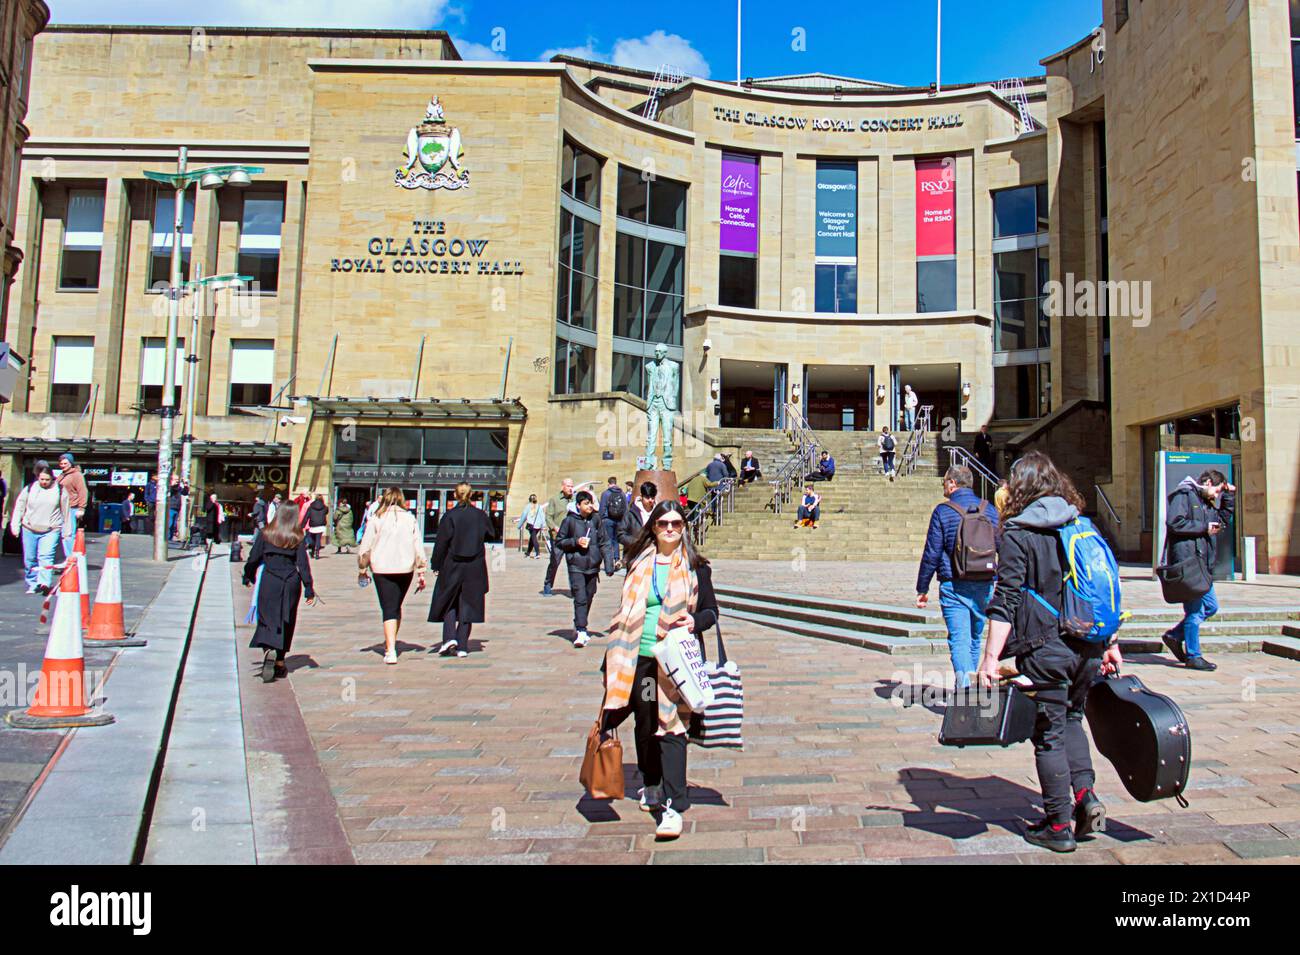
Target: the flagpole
(938, 42)
(738, 2)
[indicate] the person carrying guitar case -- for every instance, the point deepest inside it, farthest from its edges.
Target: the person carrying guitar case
(1039, 618)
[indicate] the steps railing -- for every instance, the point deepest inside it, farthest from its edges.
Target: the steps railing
(788, 480)
(1111, 532)
(916, 440)
(960, 457)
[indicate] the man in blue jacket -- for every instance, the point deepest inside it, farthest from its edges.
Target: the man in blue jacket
(962, 601)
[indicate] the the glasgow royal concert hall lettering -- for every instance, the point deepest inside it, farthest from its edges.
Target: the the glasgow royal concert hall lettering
(427, 251)
(820, 124)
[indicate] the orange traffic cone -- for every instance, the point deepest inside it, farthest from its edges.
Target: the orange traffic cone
(83, 577)
(107, 625)
(60, 698)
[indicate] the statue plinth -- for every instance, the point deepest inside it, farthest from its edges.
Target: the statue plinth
(664, 481)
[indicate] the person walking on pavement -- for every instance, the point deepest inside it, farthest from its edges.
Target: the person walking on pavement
(964, 590)
(316, 521)
(1198, 511)
(214, 517)
(533, 519)
(392, 551)
(176, 489)
(1030, 575)
(630, 527)
(668, 585)
(581, 539)
(151, 499)
(281, 553)
(128, 512)
(344, 534)
(39, 514)
(887, 447)
(460, 563)
(613, 508)
(73, 483)
(556, 509)
(261, 508)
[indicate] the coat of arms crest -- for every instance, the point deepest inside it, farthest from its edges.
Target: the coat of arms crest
(436, 150)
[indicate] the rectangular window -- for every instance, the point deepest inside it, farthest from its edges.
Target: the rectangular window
(486, 448)
(737, 281)
(401, 446)
(252, 371)
(1021, 391)
(152, 366)
(71, 374)
(575, 371)
(259, 240)
(835, 288)
(1019, 289)
(629, 374)
(83, 239)
(835, 240)
(654, 200)
(164, 227)
(444, 447)
(356, 445)
(580, 175)
(1020, 211)
(649, 289)
(936, 285)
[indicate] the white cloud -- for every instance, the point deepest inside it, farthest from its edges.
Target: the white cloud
(469, 50)
(660, 48)
(372, 14)
(644, 53)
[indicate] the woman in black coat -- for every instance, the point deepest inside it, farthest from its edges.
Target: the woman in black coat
(213, 518)
(281, 551)
(316, 522)
(459, 596)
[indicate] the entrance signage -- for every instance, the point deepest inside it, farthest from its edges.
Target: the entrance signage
(837, 210)
(840, 124)
(427, 251)
(738, 204)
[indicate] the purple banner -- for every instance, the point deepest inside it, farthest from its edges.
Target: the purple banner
(738, 204)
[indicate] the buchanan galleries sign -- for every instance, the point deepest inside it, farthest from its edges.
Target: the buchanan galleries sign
(427, 252)
(829, 124)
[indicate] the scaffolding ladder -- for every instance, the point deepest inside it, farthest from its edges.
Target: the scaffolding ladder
(1013, 91)
(667, 77)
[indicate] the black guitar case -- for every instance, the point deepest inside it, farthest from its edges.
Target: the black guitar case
(1144, 735)
(1000, 716)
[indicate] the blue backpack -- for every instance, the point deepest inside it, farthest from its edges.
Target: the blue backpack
(1090, 599)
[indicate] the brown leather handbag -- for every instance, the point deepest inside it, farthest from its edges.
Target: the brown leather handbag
(602, 764)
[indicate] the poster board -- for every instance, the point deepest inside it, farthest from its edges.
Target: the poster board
(1171, 468)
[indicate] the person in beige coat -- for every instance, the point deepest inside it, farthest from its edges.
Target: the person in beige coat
(392, 551)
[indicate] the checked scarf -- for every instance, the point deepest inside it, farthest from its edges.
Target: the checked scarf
(625, 634)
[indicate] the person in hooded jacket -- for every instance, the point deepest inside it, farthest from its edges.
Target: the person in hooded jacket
(281, 552)
(629, 529)
(581, 540)
(1023, 626)
(459, 560)
(315, 520)
(1198, 511)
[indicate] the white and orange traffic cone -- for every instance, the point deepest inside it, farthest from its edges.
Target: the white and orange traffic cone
(107, 624)
(60, 698)
(83, 578)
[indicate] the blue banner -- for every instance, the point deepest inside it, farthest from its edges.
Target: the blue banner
(837, 210)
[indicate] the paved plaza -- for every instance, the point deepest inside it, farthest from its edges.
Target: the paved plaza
(476, 760)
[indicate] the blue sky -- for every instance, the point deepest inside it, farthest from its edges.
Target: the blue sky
(888, 41)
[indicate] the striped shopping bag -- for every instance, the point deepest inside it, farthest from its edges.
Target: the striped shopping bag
(719, 723)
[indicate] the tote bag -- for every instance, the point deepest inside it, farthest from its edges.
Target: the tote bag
(1185, 581)
(719, 723)
(682, 661)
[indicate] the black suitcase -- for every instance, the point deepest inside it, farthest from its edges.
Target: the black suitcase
(1144, 735)
(988, 717)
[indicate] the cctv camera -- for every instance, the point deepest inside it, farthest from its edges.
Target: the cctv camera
(708, 343)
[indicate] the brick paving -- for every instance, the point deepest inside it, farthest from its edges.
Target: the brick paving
(476, 760)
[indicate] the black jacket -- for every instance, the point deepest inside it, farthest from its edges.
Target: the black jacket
(629, 528)
(174, 494)
(460, 562)
(317, 515)
(573, 529)
(1187, 521)
(286, 578)
(611, 492)
(1029, 556)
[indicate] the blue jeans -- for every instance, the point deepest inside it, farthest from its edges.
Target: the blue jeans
(69, 534)
(611, 551)
(909, 419)
(963, 603)
(1195, 613)
(172, 515)
(38, 552)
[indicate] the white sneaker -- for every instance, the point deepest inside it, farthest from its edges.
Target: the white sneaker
(651, 798)
(390, 656)
(447, 648)
(581, 639)
(670, 824)
(462, 653)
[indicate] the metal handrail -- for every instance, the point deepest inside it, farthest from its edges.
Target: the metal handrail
(960, 457)
(717, 503)
(916, 440)
(1105, 500)
(790, 476)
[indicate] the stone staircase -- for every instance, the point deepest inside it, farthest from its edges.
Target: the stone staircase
(864, 516)
(894, 630)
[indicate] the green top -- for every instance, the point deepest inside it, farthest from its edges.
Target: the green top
(650, 629)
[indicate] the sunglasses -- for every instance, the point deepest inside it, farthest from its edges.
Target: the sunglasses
(670, 525)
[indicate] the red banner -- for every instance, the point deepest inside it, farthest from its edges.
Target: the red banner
(936, 207)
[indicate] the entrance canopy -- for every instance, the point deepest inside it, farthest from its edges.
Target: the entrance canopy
(510, 409)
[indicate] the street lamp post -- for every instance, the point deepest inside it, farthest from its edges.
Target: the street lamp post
(197, 289)
(211, 177)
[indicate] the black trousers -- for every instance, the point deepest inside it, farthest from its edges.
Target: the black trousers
(748, 476)
(556, 556)
(661, 759)
(584, 592)
(534, 546)
(1061, 751)
(391, 590)
(453, 629)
